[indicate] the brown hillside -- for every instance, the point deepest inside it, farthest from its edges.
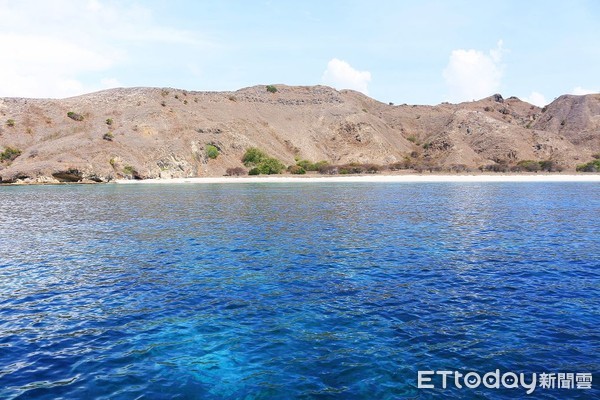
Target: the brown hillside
(149, 132)
(575, 117)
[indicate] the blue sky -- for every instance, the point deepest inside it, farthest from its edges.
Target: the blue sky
(418, 52)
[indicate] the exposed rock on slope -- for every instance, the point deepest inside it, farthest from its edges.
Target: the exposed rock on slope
(147, 133)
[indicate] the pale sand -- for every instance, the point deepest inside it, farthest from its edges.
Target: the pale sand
(377, 178)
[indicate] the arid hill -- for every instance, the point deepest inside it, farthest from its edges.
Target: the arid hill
(150, 133)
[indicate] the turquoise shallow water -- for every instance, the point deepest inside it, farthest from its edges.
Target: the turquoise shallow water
(295, 290)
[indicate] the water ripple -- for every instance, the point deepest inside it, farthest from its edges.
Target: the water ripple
(280, 291)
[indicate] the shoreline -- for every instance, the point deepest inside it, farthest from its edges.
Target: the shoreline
(371, 179)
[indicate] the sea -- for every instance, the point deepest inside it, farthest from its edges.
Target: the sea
(300, 291)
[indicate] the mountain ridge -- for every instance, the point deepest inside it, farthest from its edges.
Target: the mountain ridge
(164, 132)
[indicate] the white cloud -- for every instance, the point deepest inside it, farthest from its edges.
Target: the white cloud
(579, 91)
(45, 66)
(536, 98)
(69, 47)
(94, 6)
(341, 75)
(473, 74)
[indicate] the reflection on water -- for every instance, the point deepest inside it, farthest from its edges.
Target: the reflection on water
(283, 290)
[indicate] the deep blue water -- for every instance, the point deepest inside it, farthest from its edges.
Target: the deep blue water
(325, 290)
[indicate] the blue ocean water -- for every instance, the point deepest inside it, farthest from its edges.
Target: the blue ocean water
(325, 290)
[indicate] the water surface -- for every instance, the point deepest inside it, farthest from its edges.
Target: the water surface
(312, 290)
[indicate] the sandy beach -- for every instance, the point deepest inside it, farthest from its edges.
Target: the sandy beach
(375, 178)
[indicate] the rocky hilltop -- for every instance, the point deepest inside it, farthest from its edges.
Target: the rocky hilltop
(142, 133)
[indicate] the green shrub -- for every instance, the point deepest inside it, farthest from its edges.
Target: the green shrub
(9, 154)
(305, 164)
(129, 170)
(271, 89)
(319, 164)
(74, 116)
(270, 166)
(253, 156)
(592, 166)
(109, 121)
(412, 139)
(263, 164)
(254, 171)
(108, 136)
(296, 170)
(549, 165)
(352, 168)
(212, 152)
(528, 165)
(310, 166)
(10, 122)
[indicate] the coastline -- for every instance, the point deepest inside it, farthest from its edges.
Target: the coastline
(372, 178)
